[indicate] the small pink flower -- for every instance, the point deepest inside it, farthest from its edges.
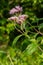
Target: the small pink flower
(23, 16)
(13, 10)
(14, 18)
(22, 19)
(18, 8)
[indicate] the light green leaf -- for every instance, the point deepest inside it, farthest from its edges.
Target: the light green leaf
(31, 49)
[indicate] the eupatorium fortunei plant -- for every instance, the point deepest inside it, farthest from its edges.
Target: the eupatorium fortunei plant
(21, 37)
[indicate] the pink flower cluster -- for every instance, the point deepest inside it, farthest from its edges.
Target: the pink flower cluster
(20, 19)
(13, 18)
(15, 10)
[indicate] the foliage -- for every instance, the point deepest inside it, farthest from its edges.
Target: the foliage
(21, 44)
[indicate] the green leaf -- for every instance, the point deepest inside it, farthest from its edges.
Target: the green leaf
(31, 48)
(15, 40)
(41, 26)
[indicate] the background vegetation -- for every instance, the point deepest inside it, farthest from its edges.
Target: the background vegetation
(21, 44)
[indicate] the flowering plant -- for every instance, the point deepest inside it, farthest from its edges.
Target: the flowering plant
(20, 18)
(21, 38)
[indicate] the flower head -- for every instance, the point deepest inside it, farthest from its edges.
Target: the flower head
(18, 8)
(20, 19)
(14, 18)
(15, 10)
(23, 16)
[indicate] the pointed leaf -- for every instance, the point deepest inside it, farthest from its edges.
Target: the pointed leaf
(31, 49)
(15, 40)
